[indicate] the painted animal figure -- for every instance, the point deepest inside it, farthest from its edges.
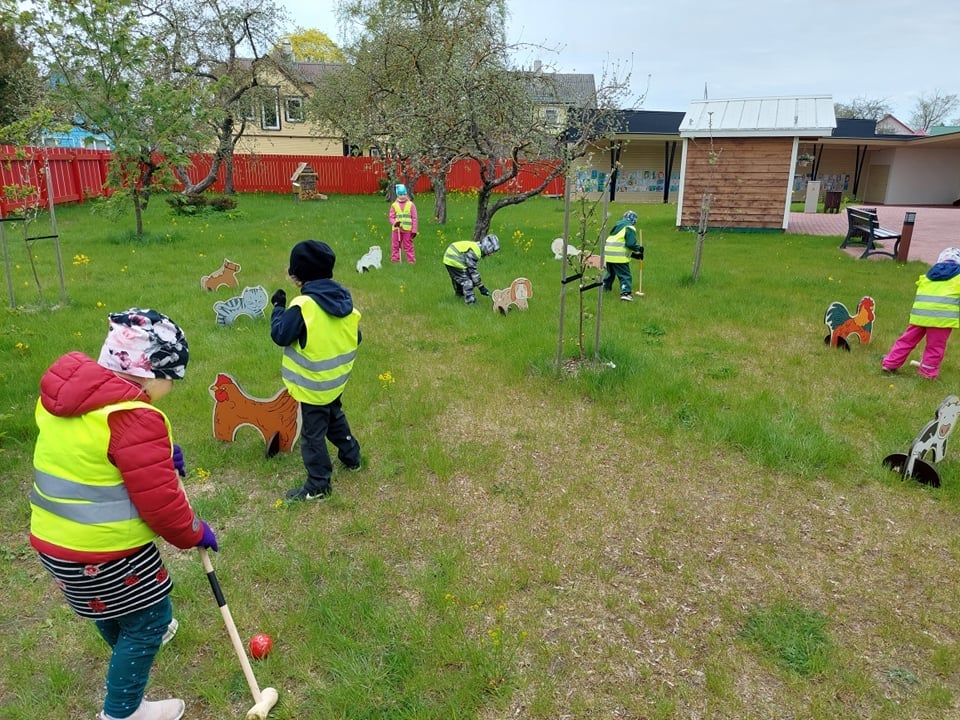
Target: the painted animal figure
(557, 247)
(517, 294)
(932, 439)
(250, 302)
(225, 276)
(842, 324)
(277, 419)
(372, 258)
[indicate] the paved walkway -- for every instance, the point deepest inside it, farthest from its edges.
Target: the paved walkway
(934, 229)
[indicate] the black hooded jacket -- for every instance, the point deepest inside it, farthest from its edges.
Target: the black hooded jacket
(287, 325)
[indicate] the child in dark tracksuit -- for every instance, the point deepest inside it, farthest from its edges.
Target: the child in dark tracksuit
(935, 313)
(319, 334)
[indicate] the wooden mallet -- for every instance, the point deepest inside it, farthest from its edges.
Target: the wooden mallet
(263, 700)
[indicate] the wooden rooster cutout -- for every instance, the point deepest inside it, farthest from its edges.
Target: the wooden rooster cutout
(842, 324)
(277, 418)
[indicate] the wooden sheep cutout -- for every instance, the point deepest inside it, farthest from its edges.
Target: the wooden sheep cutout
(932, 439)
(277, 419)
(842, 324)
(517, 294)
(225, 276)
(250, 302)
(557, 247)
(371, 259)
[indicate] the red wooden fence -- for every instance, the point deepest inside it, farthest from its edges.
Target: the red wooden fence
(78, 174)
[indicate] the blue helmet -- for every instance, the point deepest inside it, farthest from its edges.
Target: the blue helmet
(630, 216)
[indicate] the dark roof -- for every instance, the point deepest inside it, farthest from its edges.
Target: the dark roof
(651, 122)
(856, 128)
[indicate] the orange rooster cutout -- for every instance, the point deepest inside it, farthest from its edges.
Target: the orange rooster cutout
(842, 324)
(277, 418)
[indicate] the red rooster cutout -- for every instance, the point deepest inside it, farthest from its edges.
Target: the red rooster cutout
(277, 419)
(842, 324)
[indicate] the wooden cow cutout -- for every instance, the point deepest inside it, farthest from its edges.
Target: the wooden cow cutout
(933, 439)
(277, 419)
(517, 294)
(225, 276)
(843, 324)
(251, 302)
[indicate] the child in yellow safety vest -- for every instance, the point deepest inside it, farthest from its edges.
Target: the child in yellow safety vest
(105, 487)
(403, 226)
(319, 333)
(935, 313)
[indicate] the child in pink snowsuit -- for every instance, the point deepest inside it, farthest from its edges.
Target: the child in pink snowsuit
(403, 224)
(935, 312)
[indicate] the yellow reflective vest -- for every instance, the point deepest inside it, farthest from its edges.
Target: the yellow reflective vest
(317, 373)
(78, 501)
(454, 256)
(402, 214)
(615, 248)
(937, 303)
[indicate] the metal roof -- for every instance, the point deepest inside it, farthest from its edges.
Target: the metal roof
(760, 117)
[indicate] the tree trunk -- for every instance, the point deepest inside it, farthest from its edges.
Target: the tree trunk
(701, 234)
(138, 211)
(440, 198)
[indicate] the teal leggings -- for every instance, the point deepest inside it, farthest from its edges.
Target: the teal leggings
(135, 639)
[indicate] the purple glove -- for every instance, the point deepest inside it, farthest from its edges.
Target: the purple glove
(178, 461)
(209, 540)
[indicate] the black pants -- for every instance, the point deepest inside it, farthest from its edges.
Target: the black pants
(322, 423)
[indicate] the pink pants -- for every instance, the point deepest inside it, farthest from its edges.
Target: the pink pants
(933, 349)
(402, 240)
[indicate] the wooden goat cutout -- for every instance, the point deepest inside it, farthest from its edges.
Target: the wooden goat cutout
(842, 324)
(225, 276)
(517, 294)
(251, 302)
(277, 419)
(932, 439)
(373, 258)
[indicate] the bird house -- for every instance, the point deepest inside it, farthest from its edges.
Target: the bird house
(304, 180)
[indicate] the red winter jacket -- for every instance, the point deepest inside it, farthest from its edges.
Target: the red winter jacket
(140, 447)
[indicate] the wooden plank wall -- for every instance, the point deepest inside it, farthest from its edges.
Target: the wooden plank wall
(748, 181)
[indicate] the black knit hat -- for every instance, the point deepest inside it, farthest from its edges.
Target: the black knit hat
(311, 260)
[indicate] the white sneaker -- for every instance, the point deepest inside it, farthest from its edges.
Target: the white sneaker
(170, 709)
(171, 631)
(626, 297)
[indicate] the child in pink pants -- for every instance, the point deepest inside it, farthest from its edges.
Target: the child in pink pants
(403, 226)
(935, 312)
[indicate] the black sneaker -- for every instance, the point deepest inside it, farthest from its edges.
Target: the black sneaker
(352, 468)
(301, 493)
(626, 297)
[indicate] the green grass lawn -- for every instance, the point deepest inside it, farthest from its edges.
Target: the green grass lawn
(698, 526)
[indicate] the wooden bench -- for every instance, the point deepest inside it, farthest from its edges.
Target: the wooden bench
(863, 228)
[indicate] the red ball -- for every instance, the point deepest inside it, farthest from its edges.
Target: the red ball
(260, 645)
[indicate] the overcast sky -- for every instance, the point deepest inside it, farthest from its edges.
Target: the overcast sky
(876, 49)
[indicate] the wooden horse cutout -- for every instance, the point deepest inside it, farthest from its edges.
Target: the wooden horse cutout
(277, 419)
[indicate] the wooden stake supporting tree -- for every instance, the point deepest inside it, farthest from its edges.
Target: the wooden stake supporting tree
(27, 196)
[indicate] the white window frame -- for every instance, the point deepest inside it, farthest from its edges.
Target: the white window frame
(293, 109)
(264, 117)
